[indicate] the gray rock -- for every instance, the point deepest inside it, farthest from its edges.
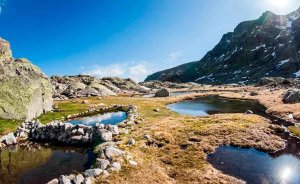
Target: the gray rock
(9, 139)
(76, 137)
(116, 166)
(78, 179)
(102, 163)
(162, 93)
(25, 91)
(133, 163)
(249, 112)
(130, 142)
(147, 137)
(64, 180)
(253, 93)
(80, 131)
(87, 181)
(111, 152)
(292, 96)
(113, 129)
(105, 135)
(105, 173)
(92, 172)
(54, 181)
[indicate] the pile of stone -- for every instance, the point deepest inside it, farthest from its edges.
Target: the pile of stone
(66, 133)
(110, 161)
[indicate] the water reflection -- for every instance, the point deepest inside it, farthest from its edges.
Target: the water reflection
(214, 104)
(37, 164)
(107, 118)
(254, 166)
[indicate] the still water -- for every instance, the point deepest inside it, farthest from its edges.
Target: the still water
(111, 118)
(254, 166)
(40, 164)
(214, 104)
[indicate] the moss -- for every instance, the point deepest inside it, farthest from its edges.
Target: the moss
(295, 130)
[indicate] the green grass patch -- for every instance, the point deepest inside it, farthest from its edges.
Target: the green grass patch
(7, 126)
(64, 109)
(295, 130)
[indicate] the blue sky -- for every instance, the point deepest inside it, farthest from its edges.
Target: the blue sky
(125, 38)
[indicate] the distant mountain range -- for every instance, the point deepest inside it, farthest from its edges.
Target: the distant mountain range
(266, 47)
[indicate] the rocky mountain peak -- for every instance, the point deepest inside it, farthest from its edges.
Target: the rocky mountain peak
(266, 47)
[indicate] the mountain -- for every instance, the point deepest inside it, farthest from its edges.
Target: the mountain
(266, 47)
(25, 92)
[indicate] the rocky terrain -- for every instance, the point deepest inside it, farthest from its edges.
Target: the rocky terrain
(25, 91)
(266, 47)
(156, 84)
(84, 86)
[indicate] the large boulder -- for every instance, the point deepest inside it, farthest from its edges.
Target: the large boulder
(162, 93)
(25, 91)
(292, 96)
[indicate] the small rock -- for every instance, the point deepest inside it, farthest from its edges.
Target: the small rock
(133, 163)
(54, 181)
(112, 152)
(156, 110)
(113, 129)
(92, 172)
(80, 131)
(85, 102)
(105, 173)
(253, 93)
(146, 136)
(64, 180)
(9, 139)
(249, 112)
(105, 135)
(76, 137)
(130, 142)
(116, 166)
(78, 179)
(290, 116)
(87, 181)
(102, 163)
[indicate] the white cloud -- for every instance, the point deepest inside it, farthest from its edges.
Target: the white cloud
(175, 56)
(135, 70)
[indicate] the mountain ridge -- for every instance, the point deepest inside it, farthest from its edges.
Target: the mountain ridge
(266, 47)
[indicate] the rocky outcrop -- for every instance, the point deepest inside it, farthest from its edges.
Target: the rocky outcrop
(279, 82)
(265, 47)
(155, 84)
(84, 86)
(25, 91)
(292, 96)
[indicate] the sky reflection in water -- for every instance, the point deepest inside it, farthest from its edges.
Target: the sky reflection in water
(111, 118)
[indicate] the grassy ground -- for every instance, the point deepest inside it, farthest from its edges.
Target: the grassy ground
(180, 144)
(7, 126)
